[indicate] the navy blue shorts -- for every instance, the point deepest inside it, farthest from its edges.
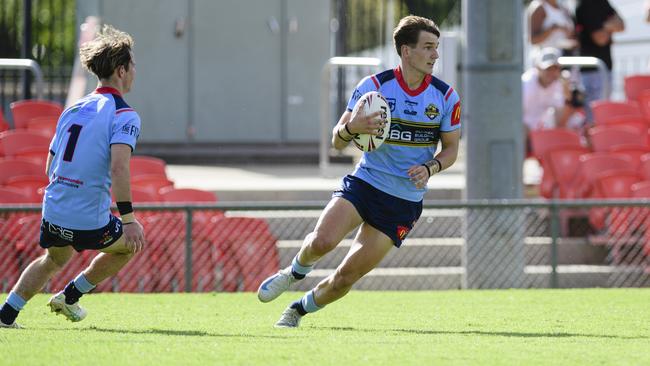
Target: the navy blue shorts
(391, 215)
(56, 236)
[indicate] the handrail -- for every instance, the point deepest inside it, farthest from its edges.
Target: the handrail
(325, 123)
(593, 62)
(25, 64)
(319, 205)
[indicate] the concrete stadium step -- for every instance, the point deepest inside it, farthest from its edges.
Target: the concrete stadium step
(445, 278)
(295, 225)
(446, 252)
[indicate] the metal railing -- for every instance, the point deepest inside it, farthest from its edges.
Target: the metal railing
(590, 62)
(25, 64)
(234, 246)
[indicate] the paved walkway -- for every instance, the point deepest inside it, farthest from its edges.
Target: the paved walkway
(304, 182)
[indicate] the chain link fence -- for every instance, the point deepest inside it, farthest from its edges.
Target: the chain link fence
(504, 244)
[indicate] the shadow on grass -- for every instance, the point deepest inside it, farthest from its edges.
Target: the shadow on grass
(483, 333)
(177, 333)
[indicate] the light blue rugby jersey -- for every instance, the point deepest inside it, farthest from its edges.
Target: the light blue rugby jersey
(417, 118)
(78, 195)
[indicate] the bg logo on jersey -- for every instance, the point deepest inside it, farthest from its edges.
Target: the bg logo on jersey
(412, 133)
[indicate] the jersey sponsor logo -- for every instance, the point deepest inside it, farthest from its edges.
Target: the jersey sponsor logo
(356, 95)
(455, 114)
(129, 129)
(409, 133)
(431, 111)
(410, 108)
(391, 103)
(70, 182)
(63, 233)
(402, 231)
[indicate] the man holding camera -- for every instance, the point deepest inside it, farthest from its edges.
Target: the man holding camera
(548, 100)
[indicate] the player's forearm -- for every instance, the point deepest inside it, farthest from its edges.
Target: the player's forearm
(447, 156)
(341, 137)
(121, 183)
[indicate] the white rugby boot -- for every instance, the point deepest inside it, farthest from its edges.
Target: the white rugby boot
(73, 313)
(274, 286)
(13, 325)
(290, 318)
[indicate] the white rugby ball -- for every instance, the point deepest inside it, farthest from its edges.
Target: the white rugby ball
(369, 103)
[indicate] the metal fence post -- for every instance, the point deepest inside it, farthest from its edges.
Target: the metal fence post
(188, 249)
(555, 233)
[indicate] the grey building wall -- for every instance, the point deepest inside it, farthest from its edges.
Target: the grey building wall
(227, 71)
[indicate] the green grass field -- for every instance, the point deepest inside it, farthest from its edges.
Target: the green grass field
(508, 327)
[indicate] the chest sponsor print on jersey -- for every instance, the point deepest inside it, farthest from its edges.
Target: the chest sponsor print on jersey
(407, 133)
(410, 108)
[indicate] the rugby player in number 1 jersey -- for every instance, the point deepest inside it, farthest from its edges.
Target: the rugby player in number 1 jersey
(89, 152)
(383, 196)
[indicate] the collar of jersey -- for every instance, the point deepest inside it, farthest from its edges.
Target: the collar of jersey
(107, 90)
(405, 87)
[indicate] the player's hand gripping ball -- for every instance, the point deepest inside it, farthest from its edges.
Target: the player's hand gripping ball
(369, 103)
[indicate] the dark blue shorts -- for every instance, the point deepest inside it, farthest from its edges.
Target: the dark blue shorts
(391, 215)
(56, 236)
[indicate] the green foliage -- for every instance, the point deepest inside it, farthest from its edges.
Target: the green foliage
(366, 19)
(505, 327)
(53, 31)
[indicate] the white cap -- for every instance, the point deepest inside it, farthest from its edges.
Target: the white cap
(547, 57)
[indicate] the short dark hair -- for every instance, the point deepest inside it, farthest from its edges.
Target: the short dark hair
(408, 31)
(110, 49)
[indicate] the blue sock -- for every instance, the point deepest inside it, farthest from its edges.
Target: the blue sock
(11, 308)
(308, 303)
(76, 288)
(298, 270)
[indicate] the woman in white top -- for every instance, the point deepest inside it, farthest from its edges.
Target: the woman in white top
(551, 25)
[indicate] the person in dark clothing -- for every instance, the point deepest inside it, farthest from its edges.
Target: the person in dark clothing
(596, 22)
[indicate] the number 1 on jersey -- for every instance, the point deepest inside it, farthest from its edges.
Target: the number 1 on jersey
(74, 130)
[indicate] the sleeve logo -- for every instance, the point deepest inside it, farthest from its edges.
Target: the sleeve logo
(455, 114)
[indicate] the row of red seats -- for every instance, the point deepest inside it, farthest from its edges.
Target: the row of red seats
(569, 167)
(35, 115)
(22, 181)
(228, 254)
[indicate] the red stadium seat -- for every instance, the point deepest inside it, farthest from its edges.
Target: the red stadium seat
(641, 190)
(543, 141)
(564, 166)
(249, 242)
(43, 125)
(10, 168)
(639, 123)
(613, 184)
(4, 126)
(10, 195)
(34, 154)
(29, 185)
(644, 169)
(593, 164)
(605, 109)
(25, 110)
(634, 85)
(151, 183)
(644, 103)
(605, 137)
(634, 152)
(12, 142)
(147, 165)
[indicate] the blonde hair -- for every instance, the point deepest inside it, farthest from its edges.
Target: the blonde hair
(110, 49)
